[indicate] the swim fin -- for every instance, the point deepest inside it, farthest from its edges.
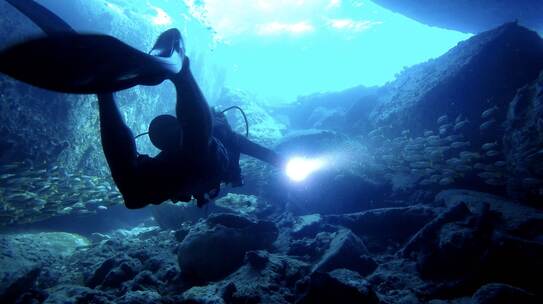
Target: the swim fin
(86, 64)
(41, 16)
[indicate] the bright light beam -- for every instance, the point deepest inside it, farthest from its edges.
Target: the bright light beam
(299, 168)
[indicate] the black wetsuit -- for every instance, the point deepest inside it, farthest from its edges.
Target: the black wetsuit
(208, 156)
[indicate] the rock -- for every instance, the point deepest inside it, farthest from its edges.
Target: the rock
(513, 261)
(398, 281)
(307, 226)
(385, 228)
(246, 205)
(501, 293)
(272, 283)
(523, 143)
(346, 250)
(339, 286)
(257, 259)
(513, 217)
(216, 247)
(324, 110)
(26, 256)
(77, 294)
(143, 281)
(177, 216)
(335, 192)
(469, 17)
(310, 142)
(458, 83)
(139, 297)
(21, 285)
(114, 271)
(426, 236)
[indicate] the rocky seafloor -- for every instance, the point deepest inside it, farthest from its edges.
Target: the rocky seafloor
(463, 247)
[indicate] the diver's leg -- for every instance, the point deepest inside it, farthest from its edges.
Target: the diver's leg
(192, 112)
(117, 142)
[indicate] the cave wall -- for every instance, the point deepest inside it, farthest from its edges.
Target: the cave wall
(471, 16)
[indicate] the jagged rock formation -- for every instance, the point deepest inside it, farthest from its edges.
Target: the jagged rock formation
(523, 142)
(483, 71)
(468, 15)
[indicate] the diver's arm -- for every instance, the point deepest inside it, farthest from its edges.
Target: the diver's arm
(119, 148)
(257, 151)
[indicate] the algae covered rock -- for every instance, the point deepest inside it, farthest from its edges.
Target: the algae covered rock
(216, 247)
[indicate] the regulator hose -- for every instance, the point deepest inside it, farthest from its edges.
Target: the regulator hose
(244, 117)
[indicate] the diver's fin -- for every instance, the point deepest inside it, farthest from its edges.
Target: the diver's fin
(41, 16)
(85, 64)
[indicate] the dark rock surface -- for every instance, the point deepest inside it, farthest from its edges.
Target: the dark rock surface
(465, 247)
(523, 142)
(483, 71)
(472, 16)
(502, 293)
(339, 286)
(216, 247)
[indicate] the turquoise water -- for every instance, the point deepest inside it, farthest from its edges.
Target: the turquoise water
(283, 49)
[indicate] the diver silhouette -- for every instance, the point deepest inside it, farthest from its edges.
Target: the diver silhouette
(199, 150)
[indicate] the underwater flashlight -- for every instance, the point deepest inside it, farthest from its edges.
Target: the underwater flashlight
(299, 168)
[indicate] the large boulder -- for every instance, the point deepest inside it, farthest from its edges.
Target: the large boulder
(216, 247)
(264, 278)
(27, 257)
(523, 143)
(479, 73)
(339, 286)
(387, 228)
(502, 293)
(347, 251)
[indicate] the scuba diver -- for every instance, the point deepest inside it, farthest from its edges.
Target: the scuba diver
(199, 149)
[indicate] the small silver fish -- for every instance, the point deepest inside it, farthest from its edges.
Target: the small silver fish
(454, 161)
(500, 163)
(489, 112)
(489, 146)
(428, 133)
(452, 138)
(487, 124)
(446, 181)
(460, 125)
(458, 118)
(420, 164)
(469, 155)
(463, 168)
(442, 119)
(460, 144)
(492, 153)
(426, 182)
